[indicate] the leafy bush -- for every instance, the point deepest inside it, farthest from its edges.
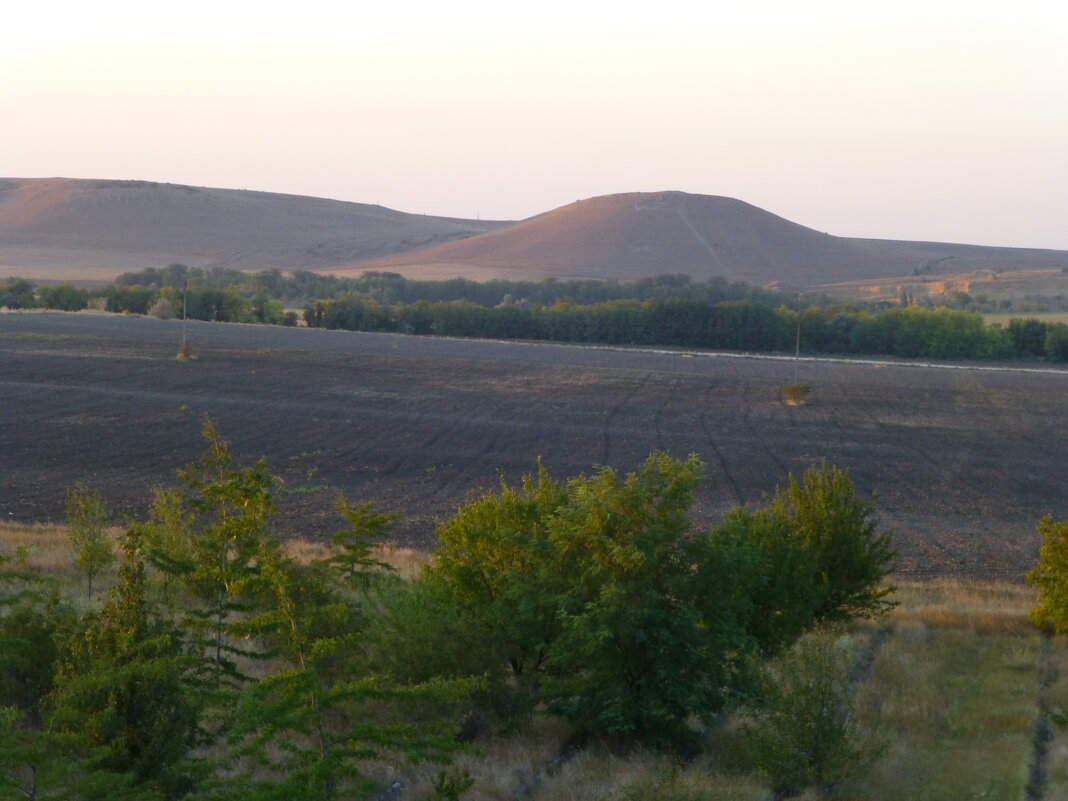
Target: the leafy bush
(801, 732)
(1050, 575)
(603, 602)
(89, 543)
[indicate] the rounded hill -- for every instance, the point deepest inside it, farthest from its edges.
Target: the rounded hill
(628, 236)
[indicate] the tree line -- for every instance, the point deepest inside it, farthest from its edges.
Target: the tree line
(668, 310)
(912, 332)
(219, 666)
(224, 304)
(236, 296)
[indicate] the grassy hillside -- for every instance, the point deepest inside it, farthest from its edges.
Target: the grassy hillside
(57, 228)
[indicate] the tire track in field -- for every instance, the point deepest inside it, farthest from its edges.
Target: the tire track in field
(447, 425)
(470, 466)
(747, 404)
(624, 402)
(716, 452)
(658, 417)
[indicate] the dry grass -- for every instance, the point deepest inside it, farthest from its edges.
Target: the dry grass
(954, 710)
(643, 776)
(985, 607)
(43, 548)
(408, 562)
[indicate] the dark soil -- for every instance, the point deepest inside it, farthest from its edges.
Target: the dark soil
(964, 462)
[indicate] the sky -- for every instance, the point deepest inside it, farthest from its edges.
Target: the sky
(935, 120)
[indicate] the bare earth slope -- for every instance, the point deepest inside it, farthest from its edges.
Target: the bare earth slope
(946, 257)
(82, 230)
(628, 236)
(93, 230)
(964, 461)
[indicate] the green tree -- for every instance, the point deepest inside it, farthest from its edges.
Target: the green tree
(89, 543)
(1050, 575)
(122, 699)
(819, 556)
(801, 731)
(653, 639)
(352, 546)
(169, 535)
(314, 721)
(17, 293)
(1057, 342)
(497, 561)
(1028, 337)
(603, 601)
(63, 296)
(32, 620)
(231, 508)
(848, 553)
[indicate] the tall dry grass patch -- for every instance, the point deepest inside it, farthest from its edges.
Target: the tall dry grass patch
(408, 562)
(985, 607)
(45, 548)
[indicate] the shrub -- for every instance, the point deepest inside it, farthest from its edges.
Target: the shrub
(801, 731)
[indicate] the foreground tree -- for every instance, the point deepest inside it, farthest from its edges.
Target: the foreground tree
(1050, 575)
(122, 701)
(32, 621)
(818, 557)
(649, 640)
(89, 544)
(206, 536)
(312, 723)
(800, 728)
(616, 615)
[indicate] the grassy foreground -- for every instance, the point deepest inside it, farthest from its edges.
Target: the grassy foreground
(948, 708)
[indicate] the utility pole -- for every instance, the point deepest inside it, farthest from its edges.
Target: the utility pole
(184, 351)
(797, 347)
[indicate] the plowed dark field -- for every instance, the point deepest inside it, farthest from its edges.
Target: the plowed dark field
(963, 461)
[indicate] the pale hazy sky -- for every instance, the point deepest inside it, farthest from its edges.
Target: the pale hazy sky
(931, 120)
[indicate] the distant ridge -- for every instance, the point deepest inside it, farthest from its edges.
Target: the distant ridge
(86, 230)
(95, 229)
(627, 236)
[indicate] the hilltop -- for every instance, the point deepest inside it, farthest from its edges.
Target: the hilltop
(628, 236)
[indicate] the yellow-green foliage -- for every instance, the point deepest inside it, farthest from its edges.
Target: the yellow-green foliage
(1051, 577)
